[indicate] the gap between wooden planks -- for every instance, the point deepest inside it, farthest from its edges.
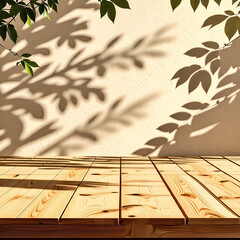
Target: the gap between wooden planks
(126, 190)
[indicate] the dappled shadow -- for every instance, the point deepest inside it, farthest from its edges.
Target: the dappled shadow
(53, 174)
(100, 123)
(22, 97)
(204, 128)
(67, 185)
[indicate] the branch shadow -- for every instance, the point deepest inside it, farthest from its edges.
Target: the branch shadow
(204, 128)
(24, 98)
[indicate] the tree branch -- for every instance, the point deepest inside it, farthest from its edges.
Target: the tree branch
(11, 51)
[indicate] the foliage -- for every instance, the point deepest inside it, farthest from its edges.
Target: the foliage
(72, 84)
(231, 19)
(210, 50)
(28, 10)
(108, 7)
(217, 61)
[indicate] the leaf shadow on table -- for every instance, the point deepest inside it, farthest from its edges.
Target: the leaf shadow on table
(22, 97)
(204, 128)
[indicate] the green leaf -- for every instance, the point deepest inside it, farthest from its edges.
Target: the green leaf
(47, 15)
(28, 69)
(31, 14)
(111, 11)
(12, 33)
(175, 3)
(29, 22)
(195, 4)
(41, 9)
(15, 9)
(27, 55)
(4, 14)
(30, 63)
(2, 4)
(121, 3)
(103, 8)
(23, 15)
(231, 27)
(10, 2)
(3, 32)
(54, 6)
(23, 64)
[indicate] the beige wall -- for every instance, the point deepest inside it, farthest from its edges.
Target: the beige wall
(38, 118)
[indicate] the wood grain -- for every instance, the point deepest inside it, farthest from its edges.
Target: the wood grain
(51, 202)
(199, 205)
(97, 197)
(223, 186)
(7, 164)
(189, 231)
(224, 165)
(144, 196)
(195, 166)
(18, 197)
(62, 193)
(7, 181)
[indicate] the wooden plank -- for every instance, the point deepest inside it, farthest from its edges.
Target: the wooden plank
(7, 181)
(21, 165)
(25, 167)
(11, 178)
(4, 169)
(17, 198)
(195, 166)
(198, 204)
(19, 157)
(50, 203)
(96, 200)
(233, 158)
(68, 158)
(50, 167)
(14, 201)
(167, 166)
(7, 164)
(183, 232)
(66, 231)
(224, 165)
(118, 231)
(144, 196)
(139, 158)
(224, 187)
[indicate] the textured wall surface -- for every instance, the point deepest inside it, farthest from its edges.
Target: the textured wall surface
(105, 89)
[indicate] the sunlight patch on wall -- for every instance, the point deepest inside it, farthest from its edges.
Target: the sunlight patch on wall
(203, 131)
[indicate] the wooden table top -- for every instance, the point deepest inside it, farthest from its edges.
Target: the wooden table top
(120, 190)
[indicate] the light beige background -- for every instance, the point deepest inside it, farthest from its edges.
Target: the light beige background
(148, 96)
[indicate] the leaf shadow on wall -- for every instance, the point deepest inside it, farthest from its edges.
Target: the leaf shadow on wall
(73, 90)
(204, 128)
